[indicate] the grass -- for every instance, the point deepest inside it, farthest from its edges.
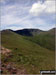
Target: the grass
(28, 54)
(44, 39)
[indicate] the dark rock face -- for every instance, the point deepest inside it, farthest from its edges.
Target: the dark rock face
(24, 32)
(28, 32)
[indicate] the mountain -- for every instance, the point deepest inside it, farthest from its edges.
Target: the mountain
(45, 39)
(28, 32)
(26, 54)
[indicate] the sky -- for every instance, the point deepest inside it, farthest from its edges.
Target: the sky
(22, 14)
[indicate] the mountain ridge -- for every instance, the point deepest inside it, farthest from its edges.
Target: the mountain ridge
(29, 32)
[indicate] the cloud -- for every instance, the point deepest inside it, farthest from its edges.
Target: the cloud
(16, 15)
(13, 14)
(14, 28)
(47, 7)
(9, 20)
(2, 1)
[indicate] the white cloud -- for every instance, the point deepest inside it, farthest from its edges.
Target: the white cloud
(9, 20)
(14, 28)
(47, 7)
(16, 16)
(50, 6)
(9, 14)
(3, 1)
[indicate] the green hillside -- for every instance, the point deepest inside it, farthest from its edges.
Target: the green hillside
(44, 39)
(26, 53)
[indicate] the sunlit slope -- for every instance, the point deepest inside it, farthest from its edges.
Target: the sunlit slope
(44, 39)
(29, 54)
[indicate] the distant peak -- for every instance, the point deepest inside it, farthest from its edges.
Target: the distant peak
(7, 30)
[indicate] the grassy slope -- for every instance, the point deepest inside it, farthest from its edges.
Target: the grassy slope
(33, 57)
(44, 39)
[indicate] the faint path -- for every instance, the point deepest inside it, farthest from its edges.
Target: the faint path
(9, 65)
(4, 50)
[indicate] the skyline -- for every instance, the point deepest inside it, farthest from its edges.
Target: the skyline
(21, 14)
